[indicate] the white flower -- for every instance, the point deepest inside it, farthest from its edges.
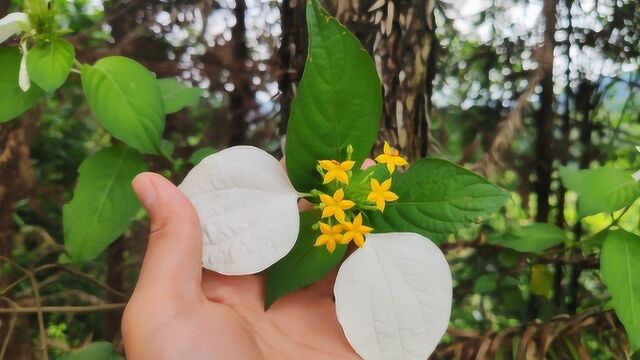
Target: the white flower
(10, 25)
(13, 24)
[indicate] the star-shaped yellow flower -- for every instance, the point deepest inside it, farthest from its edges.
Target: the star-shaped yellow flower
(331, 235)
(391, 157)
(354, 231)
(336, 170)
(335, 205)
(380, 193)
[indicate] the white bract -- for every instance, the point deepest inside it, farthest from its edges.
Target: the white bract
(393, 295)
(10, 25)
(247, 207)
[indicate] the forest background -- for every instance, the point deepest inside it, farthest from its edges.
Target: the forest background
(512, 89)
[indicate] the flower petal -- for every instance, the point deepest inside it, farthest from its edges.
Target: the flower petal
(347, 165)
(393, 297)
(12, 24)
(386, 185)
(387, 148)
(247, 207)
(326, 164)
(389, 196)
(329, 177)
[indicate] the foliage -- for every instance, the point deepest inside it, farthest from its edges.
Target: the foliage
(556, 285)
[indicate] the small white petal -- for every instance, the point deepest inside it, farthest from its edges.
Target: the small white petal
(393, 297)
(23, 76)
(247, 207)
(12, 24)
(636, 175)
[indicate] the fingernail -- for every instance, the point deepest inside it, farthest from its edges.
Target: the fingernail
(144, 189)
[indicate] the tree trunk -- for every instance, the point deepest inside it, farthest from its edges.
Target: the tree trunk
(292, 53)
(16, 178)
(544, 122)
(544, 117)
(241, 98)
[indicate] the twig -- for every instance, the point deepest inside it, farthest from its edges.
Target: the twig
(38, 307)
(71, 271)
(62, 309)
(12, 325)
(95, 282)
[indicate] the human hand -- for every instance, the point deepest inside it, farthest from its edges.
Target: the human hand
(180, 311)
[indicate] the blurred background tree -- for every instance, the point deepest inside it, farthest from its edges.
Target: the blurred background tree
(513, 89)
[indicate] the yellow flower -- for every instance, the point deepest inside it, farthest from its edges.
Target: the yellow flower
(336, 170)
(335, 205)
(355, 230)
(391, 157)
(380, 193)
(331, 235)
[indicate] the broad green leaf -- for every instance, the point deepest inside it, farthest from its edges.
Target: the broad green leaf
(14, 101)
(393, 297)
(176, 95)
(248, 210)
(200, 154)
(103, 204)
(304, 264)
(541, 280)
(620, 271)
(437, 198)
(604, 189)
(100, 350)
(511, 297)
(49, 63)
(531, 238)
(485, 284)
(126, 99)
(339, 101)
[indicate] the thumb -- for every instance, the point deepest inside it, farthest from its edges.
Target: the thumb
(172, 264)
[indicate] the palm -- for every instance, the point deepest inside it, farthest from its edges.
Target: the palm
(301, 325)
(230, 323)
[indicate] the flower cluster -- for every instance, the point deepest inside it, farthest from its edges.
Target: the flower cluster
(342, 218)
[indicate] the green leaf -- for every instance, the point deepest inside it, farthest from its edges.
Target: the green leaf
(126, 99)
(541, 280)
(437, 198)
(531, 238)
(14, 101)
(167, 148)
(620, 271)
(103, 204)
(339, 101)
(485, 284)
(176, 95)
(100, 350)
(604, 189)
(200, 154)
(49, 63)
(304, 264)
